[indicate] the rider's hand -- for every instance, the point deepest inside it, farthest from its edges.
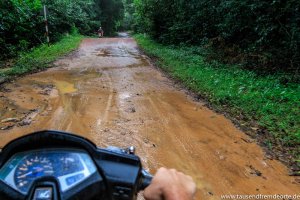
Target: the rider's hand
(169, 184)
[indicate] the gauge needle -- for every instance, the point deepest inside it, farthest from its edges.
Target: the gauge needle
(24, 175)
(39, 169)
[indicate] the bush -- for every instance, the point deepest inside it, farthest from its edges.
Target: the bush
(264, 33)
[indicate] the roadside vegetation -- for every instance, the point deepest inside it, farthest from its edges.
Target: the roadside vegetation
(242, 93)
(41, 57)
(261, 35)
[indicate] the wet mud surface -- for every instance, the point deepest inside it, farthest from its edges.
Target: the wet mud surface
(109, 92)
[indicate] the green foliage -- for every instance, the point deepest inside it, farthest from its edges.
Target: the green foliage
(22, 21)
(128, 20)
(33, 5)
(63, 15)
(261, 32)
(112, 11)
(19, 26)
(41, 57)
(273, 104)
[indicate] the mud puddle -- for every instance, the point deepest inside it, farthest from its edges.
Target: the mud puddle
(112, 95)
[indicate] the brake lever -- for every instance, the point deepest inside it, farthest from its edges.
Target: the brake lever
(145, 177)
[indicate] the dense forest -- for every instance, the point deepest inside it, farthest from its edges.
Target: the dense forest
(22, 24)
(259, 34)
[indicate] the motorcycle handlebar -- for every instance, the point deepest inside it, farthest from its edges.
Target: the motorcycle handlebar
(146, 180)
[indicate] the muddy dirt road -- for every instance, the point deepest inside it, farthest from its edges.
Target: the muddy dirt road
(109, 92)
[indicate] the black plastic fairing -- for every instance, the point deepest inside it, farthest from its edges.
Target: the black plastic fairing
(7, 193)
(45, 139)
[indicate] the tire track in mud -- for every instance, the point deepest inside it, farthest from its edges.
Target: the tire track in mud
(103, 118)
(109, 92)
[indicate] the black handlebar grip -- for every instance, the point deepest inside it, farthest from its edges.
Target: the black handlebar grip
(145, 180)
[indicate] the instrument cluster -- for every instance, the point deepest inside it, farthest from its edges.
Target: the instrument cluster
(69, 167)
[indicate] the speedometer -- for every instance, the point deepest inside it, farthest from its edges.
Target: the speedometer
(68, 167)
(31, 168)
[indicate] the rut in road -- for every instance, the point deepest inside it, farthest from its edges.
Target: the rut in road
(110, 93)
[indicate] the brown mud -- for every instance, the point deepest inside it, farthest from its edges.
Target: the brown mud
(110, 93)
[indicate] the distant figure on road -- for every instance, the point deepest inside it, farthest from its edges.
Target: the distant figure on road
(100, 32)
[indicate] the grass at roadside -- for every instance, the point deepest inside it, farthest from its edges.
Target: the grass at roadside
(41, 57)
(272, 105)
